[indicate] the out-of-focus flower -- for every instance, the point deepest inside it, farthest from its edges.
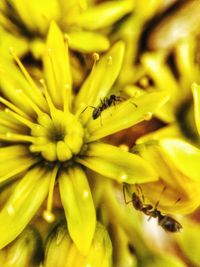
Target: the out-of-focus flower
(84, 23)
(178, 87)
(177, 164)
(131, 245)
(188, 241)
(61, 251)
(46, 136)
(196, 96)
(130, 32)
(25, 251)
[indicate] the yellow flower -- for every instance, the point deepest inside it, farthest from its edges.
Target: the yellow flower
(79, 19)
(25, 251)
(177, 164)
(61, 251)
(48, 139)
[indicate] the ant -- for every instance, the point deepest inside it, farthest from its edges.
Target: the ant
(168, 223)
(105, 103)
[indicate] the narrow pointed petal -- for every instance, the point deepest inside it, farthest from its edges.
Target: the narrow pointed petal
(21, 44)
(15, 87)
(185, 156)
(101, 79)
(9, 124)
(42, 12)
(79, 208)
(104, 14)
(22, 205)
(125, 115)
(196, 95)
(96, 42)
(189, 241)
(57, 68)
(114, 163)
(16, 156)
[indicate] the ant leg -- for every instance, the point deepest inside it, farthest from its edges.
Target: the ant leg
(134, 104)
(139, 191)
(127, 202)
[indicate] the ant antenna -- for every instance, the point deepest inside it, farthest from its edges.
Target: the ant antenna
(86, 108)
(157, 203)
(179, 199)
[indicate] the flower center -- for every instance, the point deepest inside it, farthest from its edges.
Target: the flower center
(58, 137)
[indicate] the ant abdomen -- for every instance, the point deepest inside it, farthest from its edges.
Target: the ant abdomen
(169, 224)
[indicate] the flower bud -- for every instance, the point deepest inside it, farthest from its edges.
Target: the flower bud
(61, 251)
(25, 251)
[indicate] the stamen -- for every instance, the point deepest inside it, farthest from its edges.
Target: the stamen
(51, 106)
(13, 107)
(49, 53)
(148, 116)
(66, 39)
(35, 93)
(24, 164)
(10, 124)
(31, 103)
(24, 121)
(92, 74)
(12, 137)
(95, 57)
(37, 148)
(66, 91)
(47, 214)
(65, 97)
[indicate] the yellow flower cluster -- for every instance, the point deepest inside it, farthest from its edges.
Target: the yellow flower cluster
(99, 133)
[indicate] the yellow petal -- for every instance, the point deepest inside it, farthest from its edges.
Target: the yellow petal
(185, 157)
(104, 14)
(125, 115)
(57, 68)
(42, 12)
(100, 80)
(88, 42)
(19, 164)
(114, 163)
(23, 204)
(196, 95)
(189, 241)
(79, 208)
(178, 185)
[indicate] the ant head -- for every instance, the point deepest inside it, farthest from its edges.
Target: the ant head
(96, 113)
(113, 97)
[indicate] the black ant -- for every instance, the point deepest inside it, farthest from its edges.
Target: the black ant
(105, 103)
(168, 223)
